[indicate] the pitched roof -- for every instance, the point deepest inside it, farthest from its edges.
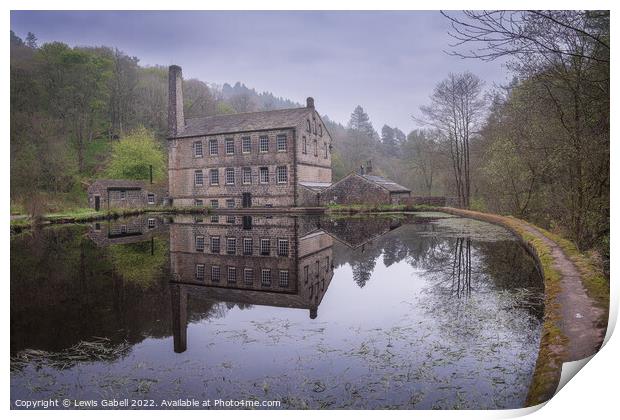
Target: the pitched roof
(386, 183)
(249, 121)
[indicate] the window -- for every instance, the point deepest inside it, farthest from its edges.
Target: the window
(314, 121)
(215, 219)
(200, 271)
(198, 178)
(198, 203)
(215, 204)
(232, 274)
(246, 144)
(200, 243)
(283, 278)
(123, 194)
(283, 247)
(264, 175)
(230, 203)
(231, 246)
(197, 149)
(150, 223)
(318, 264)
(308, 126)
(325, 149)
(248, 276)
(304, 144)
(97, 226)
(306, 269)
(265, 277)
(230, 146)
(281, 142)
(214, 177)
(282, 174)
(316, 148)
(230, 176)
(320, 130)
(263, 144)
(123, 228)
(246, 176)
(150, 198)
(215, 244)
(265, 245)
(215, 273)
(327, 264)
(248, 246)
(213, 147)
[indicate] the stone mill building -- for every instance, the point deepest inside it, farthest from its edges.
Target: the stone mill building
(278, 158)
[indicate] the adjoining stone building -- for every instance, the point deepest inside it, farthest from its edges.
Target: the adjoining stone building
(364, 188)
(106, 194)
(257, 159)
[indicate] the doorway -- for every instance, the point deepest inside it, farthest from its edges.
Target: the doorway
(97, 202)
(246, 200)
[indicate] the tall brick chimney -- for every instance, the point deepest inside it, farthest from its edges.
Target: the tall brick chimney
(176, 120)
(309, 102)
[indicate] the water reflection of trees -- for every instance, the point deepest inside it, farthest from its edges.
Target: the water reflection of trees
(65, 290)
(454, 264)
(461, 268)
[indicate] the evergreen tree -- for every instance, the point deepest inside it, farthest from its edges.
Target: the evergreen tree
(361, 122)
(31, 40)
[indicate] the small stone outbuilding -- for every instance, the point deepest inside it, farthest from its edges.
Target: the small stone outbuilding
(106, 194)
(357, 188)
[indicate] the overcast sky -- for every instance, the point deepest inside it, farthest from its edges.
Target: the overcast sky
(388, 62)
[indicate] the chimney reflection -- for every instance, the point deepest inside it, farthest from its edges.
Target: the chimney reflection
(257, 260)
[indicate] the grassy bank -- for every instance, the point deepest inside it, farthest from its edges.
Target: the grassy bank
(85, 215)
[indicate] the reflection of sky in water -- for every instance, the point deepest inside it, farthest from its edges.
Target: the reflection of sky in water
(402, 340)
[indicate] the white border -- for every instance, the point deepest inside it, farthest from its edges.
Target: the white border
(591, 395)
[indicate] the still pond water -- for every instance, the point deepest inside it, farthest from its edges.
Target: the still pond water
(419, 310)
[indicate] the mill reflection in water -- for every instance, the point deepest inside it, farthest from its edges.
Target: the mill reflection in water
(273, 261)
(438, 307)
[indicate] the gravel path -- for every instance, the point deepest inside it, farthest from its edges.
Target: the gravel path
(580, 315)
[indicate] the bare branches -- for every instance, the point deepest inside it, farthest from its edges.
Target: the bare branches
(456, 112)
(503, 33)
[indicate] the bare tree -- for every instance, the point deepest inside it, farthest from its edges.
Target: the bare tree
(455, 111)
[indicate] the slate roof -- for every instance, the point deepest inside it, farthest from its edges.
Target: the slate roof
(386, 183)
(249, 121)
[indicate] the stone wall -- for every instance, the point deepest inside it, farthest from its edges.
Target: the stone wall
(183, 164)
(428, 201)
(399, 197)
(307, 197)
